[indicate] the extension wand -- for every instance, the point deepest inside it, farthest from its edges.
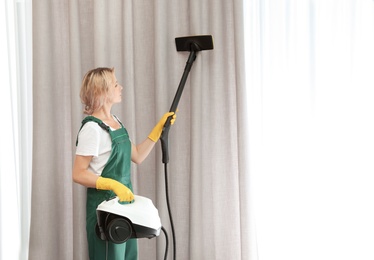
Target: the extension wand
(193, 44)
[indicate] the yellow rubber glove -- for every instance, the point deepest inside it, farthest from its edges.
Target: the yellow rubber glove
(123, 193)
(157, 130)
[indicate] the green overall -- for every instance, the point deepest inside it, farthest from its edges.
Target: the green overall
(117, 168)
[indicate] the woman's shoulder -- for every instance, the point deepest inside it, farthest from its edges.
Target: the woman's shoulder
(91, 128)
(91, 124)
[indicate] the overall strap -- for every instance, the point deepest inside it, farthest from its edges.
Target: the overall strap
(92, 119)
(119, 121)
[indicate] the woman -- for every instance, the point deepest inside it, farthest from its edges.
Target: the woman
(103, 157)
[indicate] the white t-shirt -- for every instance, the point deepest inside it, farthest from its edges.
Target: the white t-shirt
(94, 141)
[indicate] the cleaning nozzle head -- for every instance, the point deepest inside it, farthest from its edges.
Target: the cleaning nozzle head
(194, 43)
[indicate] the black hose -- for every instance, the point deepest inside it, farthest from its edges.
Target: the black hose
(169, 210)
(167, 243)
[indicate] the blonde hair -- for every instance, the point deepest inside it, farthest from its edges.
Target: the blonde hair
(94, 89)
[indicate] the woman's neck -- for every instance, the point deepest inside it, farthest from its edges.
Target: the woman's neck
(106, 116)
(103, 114)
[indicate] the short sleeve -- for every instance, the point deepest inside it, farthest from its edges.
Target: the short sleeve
(89, 140)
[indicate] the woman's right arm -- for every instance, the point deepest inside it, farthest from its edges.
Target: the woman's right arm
(81, 174)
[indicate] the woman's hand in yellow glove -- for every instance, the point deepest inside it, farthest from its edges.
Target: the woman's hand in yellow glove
(157, 130)
(123, 193)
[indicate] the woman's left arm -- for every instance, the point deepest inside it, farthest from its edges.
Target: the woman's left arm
(140, 152)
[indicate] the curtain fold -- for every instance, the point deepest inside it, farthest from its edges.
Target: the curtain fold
(208, 175)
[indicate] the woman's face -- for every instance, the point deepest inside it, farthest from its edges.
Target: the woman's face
(115, 91)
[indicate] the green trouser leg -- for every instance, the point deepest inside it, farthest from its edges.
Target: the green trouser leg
(99, 249)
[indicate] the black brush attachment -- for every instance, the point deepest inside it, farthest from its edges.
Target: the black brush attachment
(194, 43)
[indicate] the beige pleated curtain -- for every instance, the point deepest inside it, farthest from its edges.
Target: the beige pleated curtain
(208, 177)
